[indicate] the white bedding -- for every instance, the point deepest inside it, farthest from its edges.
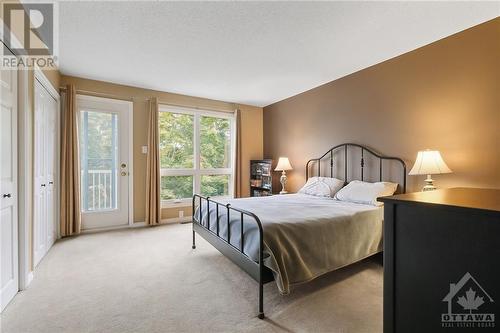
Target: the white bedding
(304, 236)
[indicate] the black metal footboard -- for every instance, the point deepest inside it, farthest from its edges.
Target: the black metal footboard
(256, 270)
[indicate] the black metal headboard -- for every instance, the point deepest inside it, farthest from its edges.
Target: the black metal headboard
(364, 149)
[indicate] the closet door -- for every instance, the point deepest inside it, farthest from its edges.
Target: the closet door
(9, 271)
(40, 217)
(45, 171)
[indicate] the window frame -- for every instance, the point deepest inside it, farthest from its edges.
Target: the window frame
(197, 172)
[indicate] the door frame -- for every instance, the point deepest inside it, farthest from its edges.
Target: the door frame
(25, 135)
(130, 115)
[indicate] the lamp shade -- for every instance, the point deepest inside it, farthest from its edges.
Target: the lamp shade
(429, 162)
(283, 164)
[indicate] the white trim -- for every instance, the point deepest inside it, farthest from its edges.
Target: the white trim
(118, 227)
(131, 163)
(46, 83)
(175, 203)
(193, 111)
(141, 224)
(29, 278)
(115, 227)
(24, 176)
(188, 202)
(196, 154)
(104, 99)
(193, 172)
(58, 168)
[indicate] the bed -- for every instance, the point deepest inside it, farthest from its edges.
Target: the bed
(295, 238)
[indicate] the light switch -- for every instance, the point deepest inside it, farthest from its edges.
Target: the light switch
(144, 149)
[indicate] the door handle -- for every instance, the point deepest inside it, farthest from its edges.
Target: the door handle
(8, 195)
(123, 165)
(51, 183)
(124, 173)
(43, 185)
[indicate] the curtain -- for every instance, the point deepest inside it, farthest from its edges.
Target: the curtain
(70, 166)
(153, 209)
(237, 156)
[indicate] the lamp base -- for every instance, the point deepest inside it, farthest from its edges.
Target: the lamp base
(429, 186)
(283, 182)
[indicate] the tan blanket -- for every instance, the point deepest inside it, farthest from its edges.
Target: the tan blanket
(304, 236)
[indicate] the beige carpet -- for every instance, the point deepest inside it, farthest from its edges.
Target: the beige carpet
(150, 280)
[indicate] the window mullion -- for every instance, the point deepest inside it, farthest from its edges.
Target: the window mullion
(197, 172)
(196, 146)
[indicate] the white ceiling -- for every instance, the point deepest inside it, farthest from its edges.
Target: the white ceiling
(253, 53)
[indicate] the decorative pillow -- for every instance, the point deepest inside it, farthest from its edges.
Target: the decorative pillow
(322, 186)
(366, 193)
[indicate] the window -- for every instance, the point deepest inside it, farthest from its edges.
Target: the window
(98, 160)
(196, 153)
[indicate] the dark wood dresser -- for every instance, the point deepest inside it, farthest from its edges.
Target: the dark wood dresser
(442, 261)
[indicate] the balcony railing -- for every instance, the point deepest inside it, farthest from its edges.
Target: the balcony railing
(99, 190)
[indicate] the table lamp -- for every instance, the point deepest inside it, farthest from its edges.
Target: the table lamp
(283, 165)
(429, 162)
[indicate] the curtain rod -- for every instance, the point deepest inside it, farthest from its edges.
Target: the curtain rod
(98, 94)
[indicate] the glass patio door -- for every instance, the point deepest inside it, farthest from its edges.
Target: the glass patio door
(104, 162)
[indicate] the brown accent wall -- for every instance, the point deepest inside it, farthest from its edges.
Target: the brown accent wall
(251, 119)
(443, 96)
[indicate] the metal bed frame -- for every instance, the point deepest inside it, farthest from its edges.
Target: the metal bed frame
(257, 270)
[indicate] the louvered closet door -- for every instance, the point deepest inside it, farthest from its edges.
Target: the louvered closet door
(9, 283)
(45, 166)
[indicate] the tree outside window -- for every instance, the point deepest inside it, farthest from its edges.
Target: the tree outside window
(195, 153)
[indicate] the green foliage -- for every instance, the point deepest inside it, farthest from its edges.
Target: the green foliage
(176, 140)
(215, 185)
(176, 187)
(99, 140)
(176, 151)
(215, 142)
(98, 150)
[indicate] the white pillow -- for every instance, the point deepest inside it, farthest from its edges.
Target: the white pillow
(322, 186)
(366, 193)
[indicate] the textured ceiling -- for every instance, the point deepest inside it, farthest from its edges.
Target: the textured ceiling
(253, 53)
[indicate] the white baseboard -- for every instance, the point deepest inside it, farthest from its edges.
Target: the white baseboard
(89, 231)
(29, 278)
(139, 224)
